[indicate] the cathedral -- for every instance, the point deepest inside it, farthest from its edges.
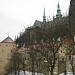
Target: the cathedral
(48, 30)
(38, 36)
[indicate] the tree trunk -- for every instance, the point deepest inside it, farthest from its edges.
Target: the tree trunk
(58, 64)
(72, 66)
(73, 69)
(24, 68)
(65, 68)
(51, 71)
(15, 67)
(18, 68)
(33, 73)
(37, 68)
(53, 65)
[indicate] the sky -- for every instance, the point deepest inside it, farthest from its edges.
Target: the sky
(16, 15)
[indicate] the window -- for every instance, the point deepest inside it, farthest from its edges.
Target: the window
(43, 58)
(11, 50)
(27, 52)
(25, 58)
(55, 58)
(63, 59)
(2, 50)
(28, 58)
(1, 60)
(70, 57)
(6, 45)
(61, 51)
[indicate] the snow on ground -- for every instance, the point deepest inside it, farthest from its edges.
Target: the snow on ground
(68, 73)
(28, 73)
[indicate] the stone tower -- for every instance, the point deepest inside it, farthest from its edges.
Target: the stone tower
(6, 48)
(72, 16)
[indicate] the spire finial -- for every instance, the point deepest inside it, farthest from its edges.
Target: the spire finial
(58, 5)
(44, 11)
(8, 34)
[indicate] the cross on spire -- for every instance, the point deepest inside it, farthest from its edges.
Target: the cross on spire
(8, 34)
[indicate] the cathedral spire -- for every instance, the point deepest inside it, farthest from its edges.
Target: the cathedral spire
(58, 5)
(58, 15)
(44, 16)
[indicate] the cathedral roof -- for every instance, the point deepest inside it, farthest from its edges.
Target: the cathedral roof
(7, 40)
(38, 23)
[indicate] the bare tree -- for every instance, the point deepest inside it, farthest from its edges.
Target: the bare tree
(15, 62)
(71, 52)
(49, 51)
(33, 56)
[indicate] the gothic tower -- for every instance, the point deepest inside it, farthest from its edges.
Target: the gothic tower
(58, 15)
(72, 16)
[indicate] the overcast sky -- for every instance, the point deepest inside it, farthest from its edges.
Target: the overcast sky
(17, 14)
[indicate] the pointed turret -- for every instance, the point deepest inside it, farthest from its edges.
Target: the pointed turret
(58, 15)
(44, 17)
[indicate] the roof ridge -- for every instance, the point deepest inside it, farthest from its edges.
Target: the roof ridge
(7, 40)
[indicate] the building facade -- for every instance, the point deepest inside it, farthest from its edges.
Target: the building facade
(6, 47)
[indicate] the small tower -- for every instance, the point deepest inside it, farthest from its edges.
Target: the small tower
(58, 15)
(44, 17)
